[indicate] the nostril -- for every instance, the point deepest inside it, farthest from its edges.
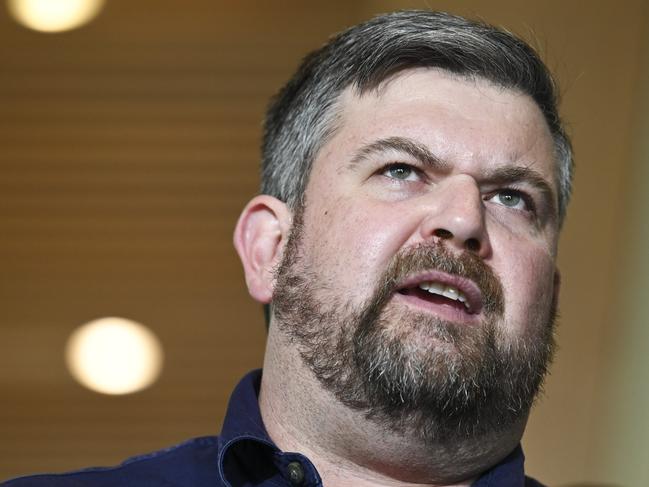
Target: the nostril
(472, 245)
(442, 233)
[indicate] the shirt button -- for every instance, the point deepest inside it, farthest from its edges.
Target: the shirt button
(295, 473)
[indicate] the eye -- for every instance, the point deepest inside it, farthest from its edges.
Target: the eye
(401, 172)
(511, 198)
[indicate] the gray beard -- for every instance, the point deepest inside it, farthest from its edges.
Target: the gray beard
(411, 373)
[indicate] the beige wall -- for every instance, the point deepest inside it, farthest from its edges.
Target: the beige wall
(620, 452)
(128, 148)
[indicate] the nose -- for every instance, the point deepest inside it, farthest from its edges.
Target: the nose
(455, 214)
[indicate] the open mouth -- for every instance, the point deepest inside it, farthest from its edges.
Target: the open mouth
(443, 292)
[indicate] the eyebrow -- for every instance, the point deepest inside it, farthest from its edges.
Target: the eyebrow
(400, 144)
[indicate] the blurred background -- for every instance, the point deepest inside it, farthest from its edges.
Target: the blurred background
(128, 146)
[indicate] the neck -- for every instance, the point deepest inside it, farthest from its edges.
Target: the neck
(350, 450)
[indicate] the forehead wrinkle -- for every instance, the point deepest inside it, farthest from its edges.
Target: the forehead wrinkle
(399, 144)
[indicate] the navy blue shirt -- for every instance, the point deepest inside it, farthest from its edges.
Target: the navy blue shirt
(242, 456)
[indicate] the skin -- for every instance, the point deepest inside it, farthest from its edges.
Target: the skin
(363, 206)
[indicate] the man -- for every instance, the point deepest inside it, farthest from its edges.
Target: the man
(415, 178)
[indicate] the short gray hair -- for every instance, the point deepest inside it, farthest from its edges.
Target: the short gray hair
(301, 116)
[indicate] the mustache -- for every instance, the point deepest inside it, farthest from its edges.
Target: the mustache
(435, 256)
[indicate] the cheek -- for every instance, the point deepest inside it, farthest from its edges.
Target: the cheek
(352, 244)
(528, 284)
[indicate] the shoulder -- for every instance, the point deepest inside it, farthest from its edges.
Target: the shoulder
(188, 464)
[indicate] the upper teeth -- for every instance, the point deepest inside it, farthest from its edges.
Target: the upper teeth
(447, 291)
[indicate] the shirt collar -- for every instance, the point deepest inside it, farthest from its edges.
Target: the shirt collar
(243, 436)
(247, 455)
(243, 417)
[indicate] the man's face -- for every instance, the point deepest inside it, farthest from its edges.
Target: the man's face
(419, 280)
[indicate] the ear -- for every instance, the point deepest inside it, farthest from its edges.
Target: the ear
(259, 238)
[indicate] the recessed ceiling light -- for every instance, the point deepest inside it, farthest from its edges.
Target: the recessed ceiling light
(54, 15)
(114, 356)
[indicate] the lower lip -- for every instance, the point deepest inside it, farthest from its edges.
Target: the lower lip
(445, 311)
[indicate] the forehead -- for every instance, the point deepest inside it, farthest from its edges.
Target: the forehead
(472, 124)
